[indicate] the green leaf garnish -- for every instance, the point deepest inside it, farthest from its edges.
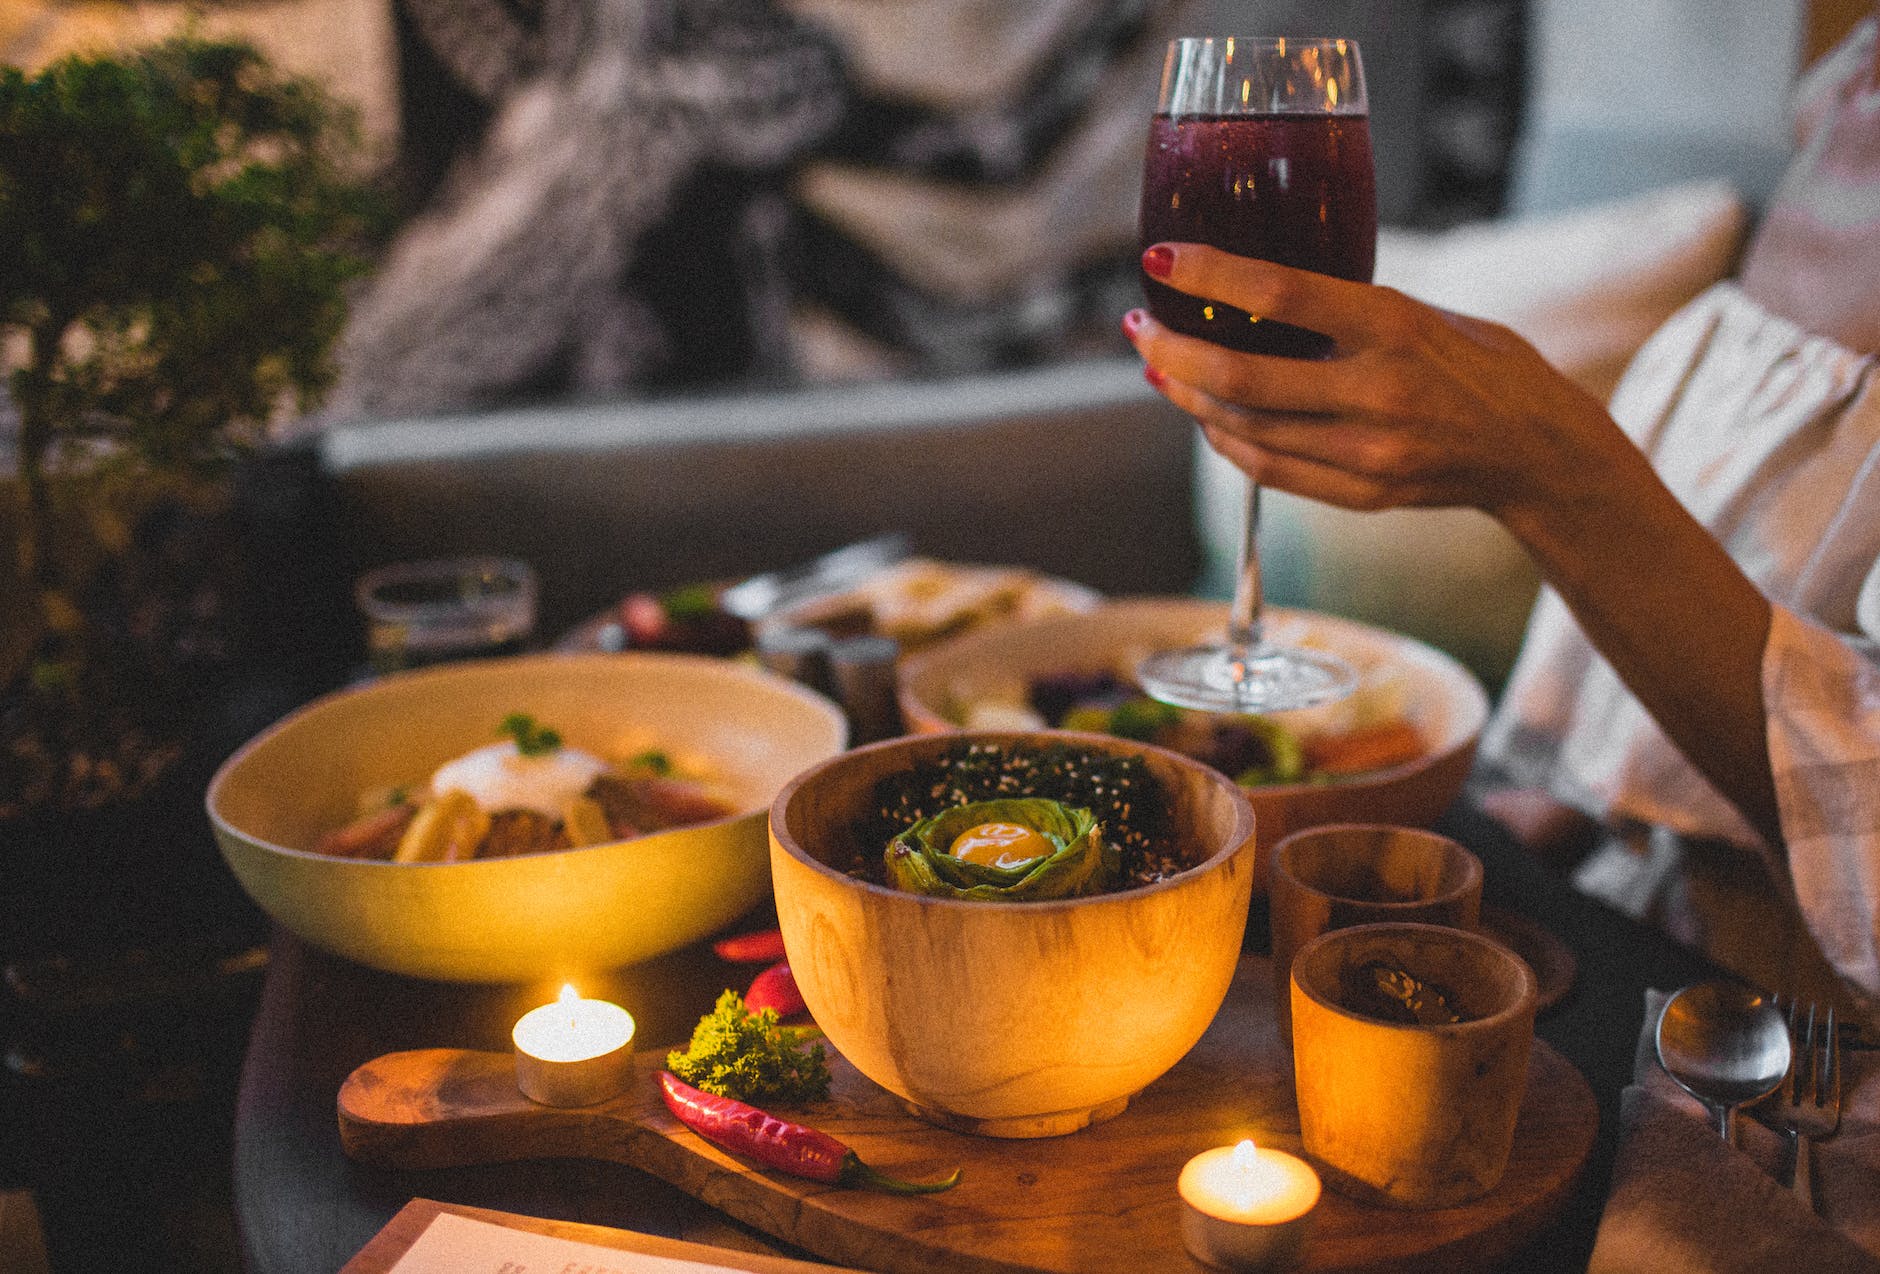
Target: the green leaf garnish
(532, 738)
(1143, 718)
(752, 1057)
(1285, 754)
(920, 860)
(654, 762)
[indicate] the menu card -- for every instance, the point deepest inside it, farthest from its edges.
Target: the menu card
(454, 1244)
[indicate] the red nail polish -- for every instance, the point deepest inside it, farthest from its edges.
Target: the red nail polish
(1158, 262)
(1155, 376)
(1131, 321)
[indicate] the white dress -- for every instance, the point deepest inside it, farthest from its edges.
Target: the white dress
(1771, 438)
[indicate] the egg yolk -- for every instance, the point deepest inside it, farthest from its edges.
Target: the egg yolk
(1000, 845)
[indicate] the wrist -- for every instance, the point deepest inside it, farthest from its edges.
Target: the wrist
(1597, 492)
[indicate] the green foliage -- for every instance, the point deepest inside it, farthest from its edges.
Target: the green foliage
(752, 1057)
(178, 231)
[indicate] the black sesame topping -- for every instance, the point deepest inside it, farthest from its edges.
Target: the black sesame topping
(1127, 799)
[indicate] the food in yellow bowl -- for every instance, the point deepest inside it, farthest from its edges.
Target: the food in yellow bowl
(530, 794)
(548, 917)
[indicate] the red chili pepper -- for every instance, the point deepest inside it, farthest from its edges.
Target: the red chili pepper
(778, 1143)
(775, 988)
(762, 947)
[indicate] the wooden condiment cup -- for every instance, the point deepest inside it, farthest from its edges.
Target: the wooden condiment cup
(1406, 1115)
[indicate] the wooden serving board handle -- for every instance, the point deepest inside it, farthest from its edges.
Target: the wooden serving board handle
(1101, 1199)
(448, 1107)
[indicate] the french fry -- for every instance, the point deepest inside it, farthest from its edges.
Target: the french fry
(467, 832)
(584, 823)
(444, 830)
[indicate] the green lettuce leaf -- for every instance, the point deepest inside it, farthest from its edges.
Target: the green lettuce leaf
(1081, 863)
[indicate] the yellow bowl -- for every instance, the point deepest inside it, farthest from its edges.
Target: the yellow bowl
(537, 916)
(1443, 699)
(1019, 1019)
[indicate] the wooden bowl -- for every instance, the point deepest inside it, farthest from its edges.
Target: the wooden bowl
(537, 916)
(1441, 697)
(1025, 1019)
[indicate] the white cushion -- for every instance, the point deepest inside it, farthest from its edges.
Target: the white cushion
(1587, 286)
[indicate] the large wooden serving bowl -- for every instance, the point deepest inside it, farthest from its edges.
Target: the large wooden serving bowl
(1024, 1019)
(533, 917)
(1440, 696)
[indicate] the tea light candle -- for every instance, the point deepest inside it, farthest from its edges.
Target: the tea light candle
(1247, 1208)
(573, 1052)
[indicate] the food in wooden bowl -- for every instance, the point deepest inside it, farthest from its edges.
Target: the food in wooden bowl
(1036, 1012)
(555, 913)
(1396, 751)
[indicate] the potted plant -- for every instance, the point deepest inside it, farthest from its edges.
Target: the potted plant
(178, 229)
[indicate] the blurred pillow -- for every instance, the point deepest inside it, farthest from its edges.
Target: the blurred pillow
(1586, 287)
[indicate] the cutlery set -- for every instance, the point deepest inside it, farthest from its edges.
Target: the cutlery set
(1730, 1046)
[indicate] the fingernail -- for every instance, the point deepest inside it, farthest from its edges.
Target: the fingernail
(1132, 321)
(1155, 376)
(1159, 261)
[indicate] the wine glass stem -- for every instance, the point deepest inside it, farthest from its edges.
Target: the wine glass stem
(1243, 620)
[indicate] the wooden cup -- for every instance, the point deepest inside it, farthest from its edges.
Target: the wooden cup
(1404, 1115)
(1327, 878)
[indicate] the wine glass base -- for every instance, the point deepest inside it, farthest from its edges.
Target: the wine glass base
(1263, 678)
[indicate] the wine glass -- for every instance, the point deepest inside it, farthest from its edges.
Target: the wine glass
(1262, 147)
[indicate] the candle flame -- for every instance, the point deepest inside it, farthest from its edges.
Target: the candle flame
(1246, 1182)
(568, 994)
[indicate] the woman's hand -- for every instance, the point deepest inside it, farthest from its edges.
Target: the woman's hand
(1417, 406)
(1420, 407)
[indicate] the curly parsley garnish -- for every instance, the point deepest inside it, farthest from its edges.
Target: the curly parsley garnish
(532, 738)
(652, 761)
(752, 1057)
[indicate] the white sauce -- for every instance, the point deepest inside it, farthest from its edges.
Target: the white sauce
(498, 777)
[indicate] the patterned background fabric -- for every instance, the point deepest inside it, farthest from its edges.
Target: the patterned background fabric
(892, 188)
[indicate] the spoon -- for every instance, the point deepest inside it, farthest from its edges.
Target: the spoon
(1726, 1045)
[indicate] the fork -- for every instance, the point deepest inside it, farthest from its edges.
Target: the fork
(1809, 1101)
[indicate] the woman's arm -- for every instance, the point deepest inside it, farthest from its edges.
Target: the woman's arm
(1423, 408)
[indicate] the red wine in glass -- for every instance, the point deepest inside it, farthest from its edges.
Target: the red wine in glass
(1293, 188)
(1261, 147)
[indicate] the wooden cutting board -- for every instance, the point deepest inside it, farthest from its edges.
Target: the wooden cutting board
(1096, 1200)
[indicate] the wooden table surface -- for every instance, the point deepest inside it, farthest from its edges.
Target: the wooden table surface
(302, 1206)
